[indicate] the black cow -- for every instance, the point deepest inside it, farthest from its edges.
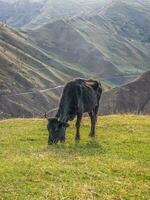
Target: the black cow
(79, 96)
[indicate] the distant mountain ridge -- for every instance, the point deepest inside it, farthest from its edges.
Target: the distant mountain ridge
(19, 13)
(96, 44)
(133, 97)
(31, 13)
(113, 43)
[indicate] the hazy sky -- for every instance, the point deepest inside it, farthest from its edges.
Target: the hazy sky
(18, 0)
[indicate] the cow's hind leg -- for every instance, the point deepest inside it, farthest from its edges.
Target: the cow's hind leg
(78, 123)
(93, 122)
(95, 112)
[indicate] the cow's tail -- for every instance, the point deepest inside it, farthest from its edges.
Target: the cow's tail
(98, 90)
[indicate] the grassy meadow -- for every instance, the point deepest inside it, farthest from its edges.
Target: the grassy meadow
(113, 166)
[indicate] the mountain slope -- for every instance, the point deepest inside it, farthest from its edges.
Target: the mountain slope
(64, 9)
(106, 42)
(109, 44)
(28, 76)
(31, 80)
(133, 97)
(33, 13)
(132, 20)
(127, 56)
(92, 41)
(62, 40)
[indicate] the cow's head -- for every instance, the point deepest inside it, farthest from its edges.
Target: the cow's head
(56, 130)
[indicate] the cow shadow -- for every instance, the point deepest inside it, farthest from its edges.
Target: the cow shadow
(88, 148)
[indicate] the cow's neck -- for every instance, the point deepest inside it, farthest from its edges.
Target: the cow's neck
(63, 113)
(62, 116)
(64, 107)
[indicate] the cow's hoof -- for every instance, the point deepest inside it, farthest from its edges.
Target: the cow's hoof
(62, 141)
(77, 139)
(92, 135)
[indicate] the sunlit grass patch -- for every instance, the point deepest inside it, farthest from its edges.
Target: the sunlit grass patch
(114, 165)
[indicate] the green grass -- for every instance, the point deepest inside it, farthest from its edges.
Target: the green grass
(115, 165)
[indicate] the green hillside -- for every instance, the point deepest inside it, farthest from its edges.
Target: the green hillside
(114, 165)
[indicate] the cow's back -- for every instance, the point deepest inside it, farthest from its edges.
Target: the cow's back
(85, 92)
(79, 95)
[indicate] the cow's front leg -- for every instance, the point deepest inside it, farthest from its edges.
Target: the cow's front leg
(93, 122)
(78, 123)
